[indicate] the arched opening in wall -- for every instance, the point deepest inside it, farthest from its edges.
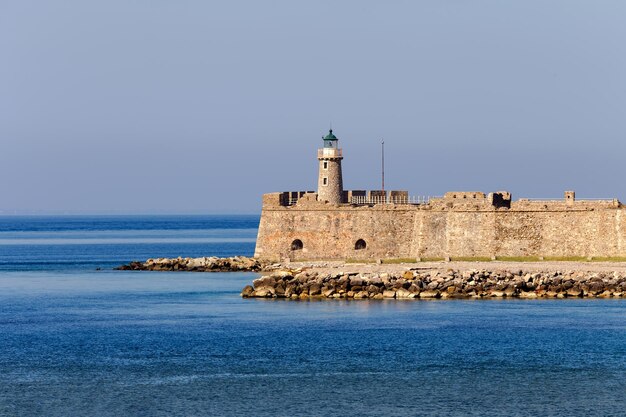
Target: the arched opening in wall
(296, 245)
(360, 244)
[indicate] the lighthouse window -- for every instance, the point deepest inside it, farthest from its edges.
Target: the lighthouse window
(325, 164)
(324, 181)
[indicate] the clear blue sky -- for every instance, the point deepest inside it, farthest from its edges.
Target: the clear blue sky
(202, 106)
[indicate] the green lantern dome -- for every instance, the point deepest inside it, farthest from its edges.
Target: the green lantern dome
(330, 136)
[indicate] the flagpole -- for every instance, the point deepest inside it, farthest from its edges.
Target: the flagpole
(383, 162)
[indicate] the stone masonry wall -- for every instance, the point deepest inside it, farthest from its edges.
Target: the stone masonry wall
(333, 190)
(331, 232)
(439, 230)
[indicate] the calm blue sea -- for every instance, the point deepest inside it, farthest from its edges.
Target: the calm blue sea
(78, 341)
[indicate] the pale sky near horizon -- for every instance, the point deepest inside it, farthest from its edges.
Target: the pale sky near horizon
(188, 106)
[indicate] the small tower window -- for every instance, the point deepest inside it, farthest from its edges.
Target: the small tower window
(296, 245)
(325, 164)
(360, 244)
(325, 181)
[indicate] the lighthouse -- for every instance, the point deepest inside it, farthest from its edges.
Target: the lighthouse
(330, 182)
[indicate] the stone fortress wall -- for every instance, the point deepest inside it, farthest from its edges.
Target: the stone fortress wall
(378, 225)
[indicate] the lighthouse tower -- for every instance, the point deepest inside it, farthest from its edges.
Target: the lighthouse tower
(330, 182)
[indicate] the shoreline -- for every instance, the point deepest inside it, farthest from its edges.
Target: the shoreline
(244, 263)
(418, 280)
(441, 280)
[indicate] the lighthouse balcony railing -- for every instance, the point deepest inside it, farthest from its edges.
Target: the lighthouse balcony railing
(329, 153)
(369, 200)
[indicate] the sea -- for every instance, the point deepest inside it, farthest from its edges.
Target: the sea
(78, 338)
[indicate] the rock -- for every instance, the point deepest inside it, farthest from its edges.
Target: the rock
(404, 293)
(389, 294)
(527, 294)
(373, 289)
(356, 282)
(279, 290)
(328, 292)
(429, 294)
(247, 291)
(281, 275)
(264, 281)
(196, 263)
(433, 285)
(376, 281)
(302, 277)
(133, 266)
(264, 292)
(315, 289)
(509, 292)
(574, 292)
(414, 289)
(290, 289)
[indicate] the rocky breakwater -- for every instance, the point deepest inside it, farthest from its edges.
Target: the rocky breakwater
(211, 264)
(437, 284)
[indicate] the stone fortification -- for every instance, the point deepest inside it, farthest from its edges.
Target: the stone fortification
(367, 225)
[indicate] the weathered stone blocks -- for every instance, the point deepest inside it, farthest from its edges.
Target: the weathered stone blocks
(446, 228)
(433, 285)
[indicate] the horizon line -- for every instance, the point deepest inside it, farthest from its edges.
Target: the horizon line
(118, 213)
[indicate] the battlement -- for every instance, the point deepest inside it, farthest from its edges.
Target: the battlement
(453, 200)
(349, 197)
(454, 195)
(285, 198)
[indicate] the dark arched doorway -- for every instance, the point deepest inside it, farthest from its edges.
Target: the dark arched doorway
(360, 244)
(296, 245)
